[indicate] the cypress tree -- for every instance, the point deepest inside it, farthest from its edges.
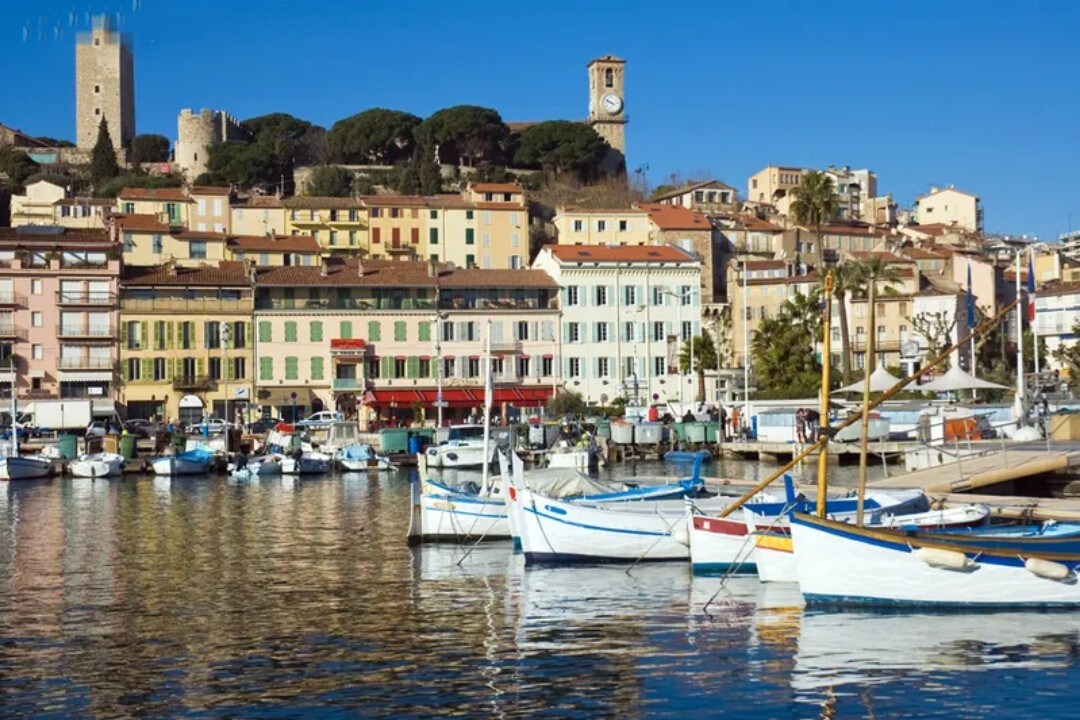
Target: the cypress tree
(103, 165)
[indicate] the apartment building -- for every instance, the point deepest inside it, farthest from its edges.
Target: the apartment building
(949, 206)
(35, 205)
(707, 196)
(757, 290)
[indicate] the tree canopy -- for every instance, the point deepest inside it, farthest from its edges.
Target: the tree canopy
(113, 187)
(466, 134)
(17, 165)
(149, 148)
(330, 181)
(376, 136)
(815, 203)
(784, 362)
(561, 146)
(103, 165)
(286, 136)
(704, 353)
(243, 165)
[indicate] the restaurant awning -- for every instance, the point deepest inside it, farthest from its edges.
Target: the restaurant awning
(462, 397)
(283, 395)
(83, 376)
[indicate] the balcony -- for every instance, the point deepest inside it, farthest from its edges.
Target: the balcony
(505, 347)
(344, 304)
(194, 383)
(86, 363)
(12, 299)
(8, 331)
(882, 345)
(86, 332)
(460, 302)
(347, 384)
(186, 305)
(86, 298)
(400, 249)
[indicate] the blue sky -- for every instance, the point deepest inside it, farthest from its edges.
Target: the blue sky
(981, 95)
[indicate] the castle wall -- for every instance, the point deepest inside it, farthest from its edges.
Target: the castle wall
(196, 132)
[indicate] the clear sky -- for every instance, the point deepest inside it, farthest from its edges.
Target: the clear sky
(982, 95)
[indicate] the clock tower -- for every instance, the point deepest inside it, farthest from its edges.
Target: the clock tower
(607, 109)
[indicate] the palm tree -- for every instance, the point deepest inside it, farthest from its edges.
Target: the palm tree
(815, 203)
(847, 280)
(875, 272)
(804, 311)
(704, 352)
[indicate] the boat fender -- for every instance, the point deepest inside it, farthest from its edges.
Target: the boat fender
(680, 533)
(945, 559)
(1048, 569)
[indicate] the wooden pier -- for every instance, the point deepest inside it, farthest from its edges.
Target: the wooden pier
(839, 453)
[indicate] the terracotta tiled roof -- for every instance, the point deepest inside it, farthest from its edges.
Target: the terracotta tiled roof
(259, 201)
(498, 188)
(498, 206)
(479, 278)
(923, 254)
(599, 211)
(619, 253)
(138, 222)
(209, 190)
(97, 202)
(345, 272)
(761, 264)
(51, 235)
(224, 273)
(755, 224)
(885, 257)
(859, 229)
(278, 243)
(1060, 288)
(320, 203)
(160, 194)
(396, 200)
(675, 217)
(200, 235)
(690, 187)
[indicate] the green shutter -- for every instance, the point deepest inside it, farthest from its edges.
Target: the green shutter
(373, 331)
(247, 333)
(399, 331)
(264, 331)
(316, 331)
(345, 332)
(200, 367)
(387, 369)
(144, 335)
(470, 238)
(425, 331)
(412, 367)
(290, 331)
(229, 369)
(124, 370)
(147, 369)
(291, 368)
(266, 368)
(316, 368)
(433, 236)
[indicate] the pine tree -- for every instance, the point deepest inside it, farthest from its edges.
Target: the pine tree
(103, 165)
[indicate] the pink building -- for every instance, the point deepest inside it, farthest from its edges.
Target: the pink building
(58, 311)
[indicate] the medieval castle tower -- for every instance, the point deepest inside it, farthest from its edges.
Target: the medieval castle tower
(104, 85)
(196, 132)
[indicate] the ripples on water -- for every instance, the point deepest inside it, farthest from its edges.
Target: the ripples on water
(284, 598)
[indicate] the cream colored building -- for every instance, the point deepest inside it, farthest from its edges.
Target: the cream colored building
(273, 250)
(337, 224)
(258, 215)
(949, 206)
(757, 289)
(620, 226)
(708, 196)
(36, 205)
(146, 240)
(773, 186)
(209, 210)
(171, 206)
(84, 213)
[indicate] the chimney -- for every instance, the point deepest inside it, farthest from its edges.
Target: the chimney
(359, 267)
(433, 268)
(170, 267)
(273, 234)
(324, 266)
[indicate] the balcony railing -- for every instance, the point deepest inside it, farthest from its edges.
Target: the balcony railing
(196, 383)
(192, 305)
(879, 345)
(97, 332)
(8, 331)
(347, 383)
(344, 304)
(85, 297)
(461, 303)
(86, 363)
(12, 298)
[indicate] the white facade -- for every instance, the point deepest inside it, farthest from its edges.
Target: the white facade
(949, 206)
(622, 317)
(1055, 315)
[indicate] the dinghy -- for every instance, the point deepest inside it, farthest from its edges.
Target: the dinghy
(361, 458)
(192, 462)
(24, 468)
(97, 465)
(310, 463)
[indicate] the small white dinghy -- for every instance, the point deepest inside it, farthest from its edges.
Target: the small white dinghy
(310, 463)
(97, 465)
(257, 466)
(361, 458)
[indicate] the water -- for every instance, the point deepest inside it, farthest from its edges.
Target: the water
(205, 598)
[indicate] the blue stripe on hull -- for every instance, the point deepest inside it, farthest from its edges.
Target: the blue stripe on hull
(826, 601)
(575, 559)
(648, 533)
(517, 544)
(724, 568)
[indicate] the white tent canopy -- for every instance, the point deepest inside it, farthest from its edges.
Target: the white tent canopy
(957, 379)
(880, 381)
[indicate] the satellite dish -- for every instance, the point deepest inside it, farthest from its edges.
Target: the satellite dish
(603, 399)
(909, 348)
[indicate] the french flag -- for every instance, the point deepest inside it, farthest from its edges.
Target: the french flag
(1031, 290)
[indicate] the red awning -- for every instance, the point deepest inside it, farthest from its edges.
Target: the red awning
(461, 397)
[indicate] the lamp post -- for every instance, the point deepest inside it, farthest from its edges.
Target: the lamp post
(226, 334)
(439, 402)
(680, 297)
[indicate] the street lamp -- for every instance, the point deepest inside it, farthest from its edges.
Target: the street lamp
(681, 297)
(226, 336)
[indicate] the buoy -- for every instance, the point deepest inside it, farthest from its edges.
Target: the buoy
(681, 534)
(945, 559)
(1048, 569)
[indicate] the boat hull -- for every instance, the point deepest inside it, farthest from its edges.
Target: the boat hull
(456, 456)
(306, 465)
(177, 466)
(24, 468)
(96, 466)
(838, 564)
(720, 545)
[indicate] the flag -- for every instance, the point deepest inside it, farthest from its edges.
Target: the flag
(1031, 290)
(970, 301)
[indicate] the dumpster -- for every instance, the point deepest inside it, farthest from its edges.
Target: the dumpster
(680, 431)
(695, 432)
(622, 433)
(416, 444)
(649, 434)
(603, 428)
(394, 440)
(68, 446)
(712, 432)
(127, 446)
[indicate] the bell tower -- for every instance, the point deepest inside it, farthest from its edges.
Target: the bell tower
(607, 108)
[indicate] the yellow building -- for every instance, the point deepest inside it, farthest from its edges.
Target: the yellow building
(773, 186)
(621, 226)
(149, 241)
(273, 250)
(258, 215)
(35, 206)
(949, 206)
(757, 289)
(169, 205)
(174, 362)
(398, 224)
(337, 224)
(82, 213)
(209, 211)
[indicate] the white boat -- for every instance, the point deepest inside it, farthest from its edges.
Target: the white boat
(360, 457)
(25, 468)
(841, 564)
(582, 458)
(463, 449)
(310, 463)
(257, 466)
(192, 462)
(440, 513)
(97, 465)
(878, 430)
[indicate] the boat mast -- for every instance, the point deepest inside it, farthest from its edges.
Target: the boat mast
(868, 368)
(14, 409)
(823, 421)
(1018, 403)
(484, 485)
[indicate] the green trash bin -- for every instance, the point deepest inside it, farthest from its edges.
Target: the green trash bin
(680, 431)
(68, 446)
(127, 446)
(394, 440)
(712, 430)
(603, 428)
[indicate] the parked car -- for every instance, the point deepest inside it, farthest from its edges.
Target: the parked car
(212, 425)
(321, 419)
(263, 425)
(140, 428)
(101, 428)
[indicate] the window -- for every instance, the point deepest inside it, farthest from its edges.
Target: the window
(523, 366)
(134, 369)
(399, 367)
(659, 366)
(631, 294)
(394, 212)
(37, 352)
(37, 319)
(134, 336)
(547, 366)
(201, 204)
(485, 217)
(623, 226)
(572, 297)
(603, 367)
(292, 368)
(129, 242)
(266, 368)
(609, 78)
(522, 331)
(688, 329)
(399, 330)
(97, 88)
(375, 212)
(212, 336)
(214, 368)
(448, 332)
(486, 240)
(473, 368)
(160, 371)
(333, 237)
(579, 226)
(315, 331)
(433, 235)
(197, 250)
(316, 368)
(468, 214)
(573, 332)
(36, 287)
(629, 333)
(470, 236)
(127, 208)
(601, 225)
(658, 295)
(470, 261)
(516, 262)
(434, 215)
(574, 368)
(600, 332)
(264, 331)
(290, 331)
(376, 236)
(658, 332)
(686, 295)
(239, 368)
(374, 330)
(600, 293)
(423, 368)
(97, 111)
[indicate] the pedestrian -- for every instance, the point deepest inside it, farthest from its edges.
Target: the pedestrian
(654, 413)
(735, 422)
(800, 426)
(724, 423)
(688, 416)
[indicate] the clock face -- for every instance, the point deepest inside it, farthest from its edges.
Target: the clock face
(611, 103)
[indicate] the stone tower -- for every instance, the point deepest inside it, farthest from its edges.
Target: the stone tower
(607, 108)
(196, 132)
(104, 85)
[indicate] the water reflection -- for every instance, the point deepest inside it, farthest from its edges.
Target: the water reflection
(285, 597)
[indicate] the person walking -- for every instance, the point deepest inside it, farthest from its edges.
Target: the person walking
(800, 426)
(724, 423)
(735, 422)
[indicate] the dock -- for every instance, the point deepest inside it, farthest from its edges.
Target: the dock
(839, 453)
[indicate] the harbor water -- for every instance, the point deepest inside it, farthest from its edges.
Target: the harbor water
(208, 598)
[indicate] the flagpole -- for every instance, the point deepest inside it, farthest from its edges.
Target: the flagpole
(1031, 312)
(1018, 403)
(970, 308)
